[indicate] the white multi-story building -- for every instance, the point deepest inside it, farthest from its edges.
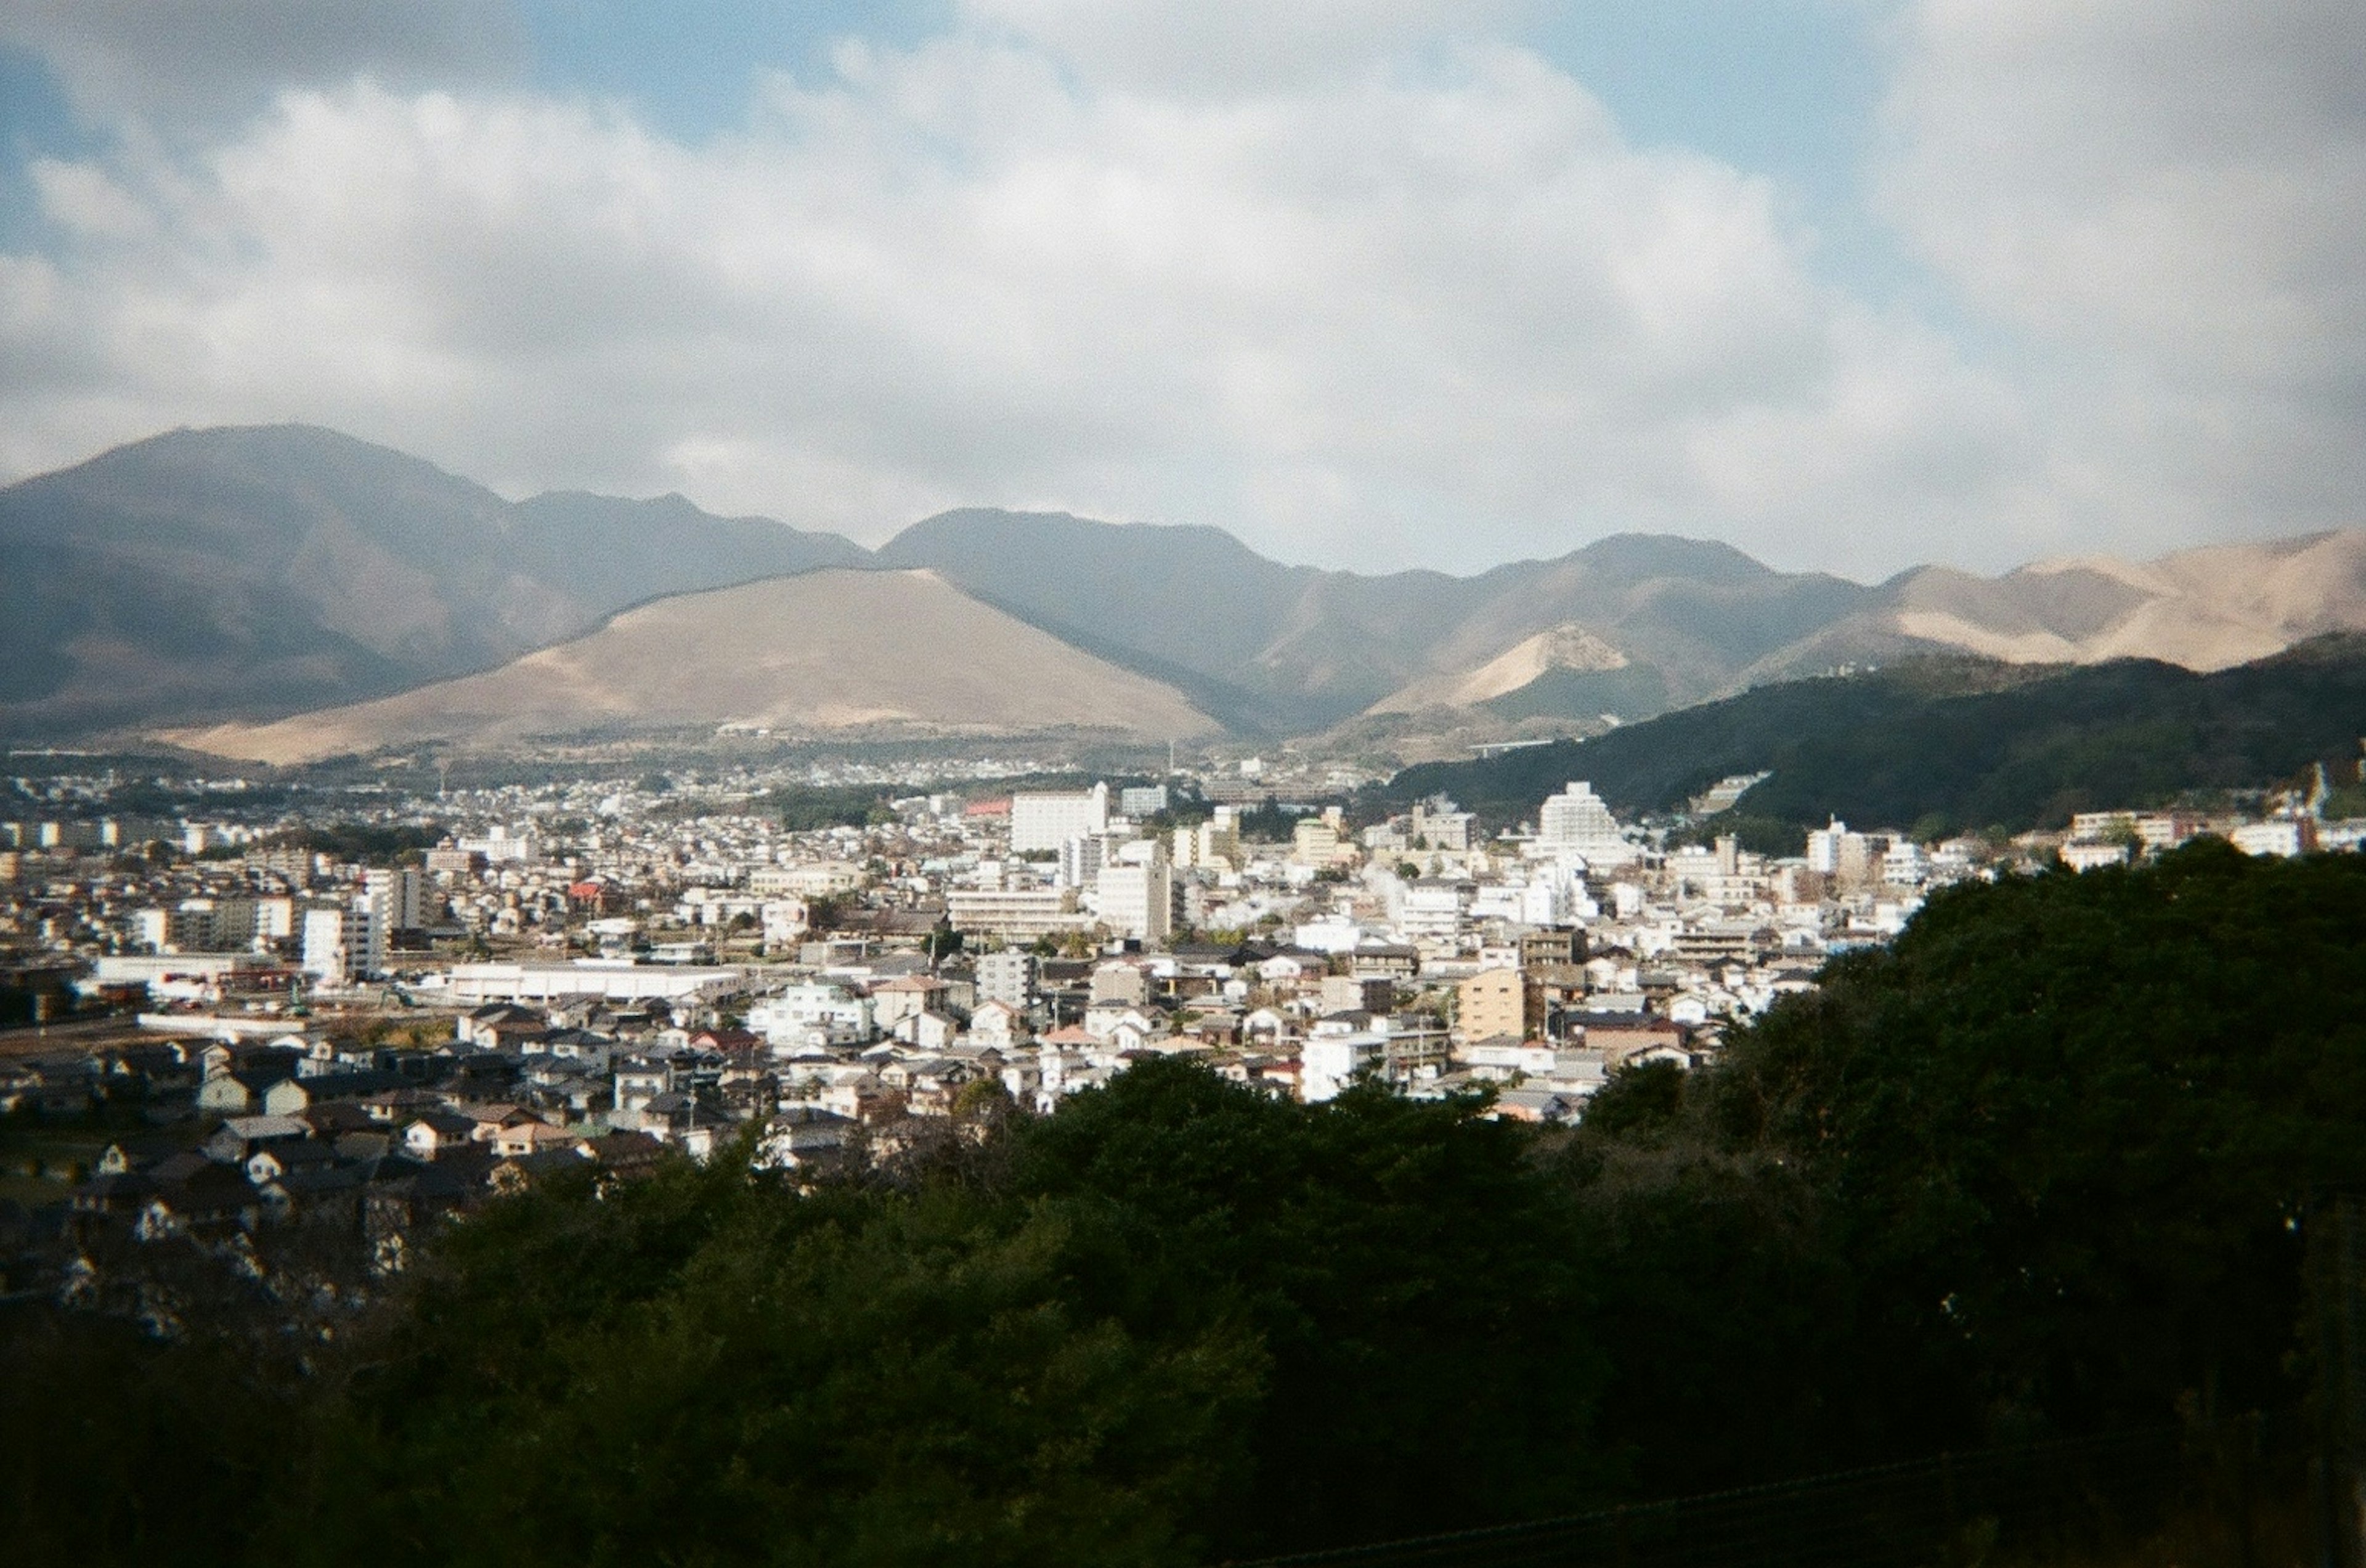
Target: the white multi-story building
(1080, 860)
(1143, 800)
(1015, 914)
(1215, 843)
(400, 895)
(1429, 912)
(1137, 896)
(1576, 822)
(343, 942)
(1329, 1061)
(2280, 836)
(1040, 821)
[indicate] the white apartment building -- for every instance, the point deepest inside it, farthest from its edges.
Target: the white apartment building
(343, 942)
(1137, 896)
(1430, 912)
(1043, 820)
(500, 845)
(1329, 1061)
(2281, 836)
(1015, 914)
(1577, 822)
(400, 895)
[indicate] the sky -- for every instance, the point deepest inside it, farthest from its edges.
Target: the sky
(1850, 283)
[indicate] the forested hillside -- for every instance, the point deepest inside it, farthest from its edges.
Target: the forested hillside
(1955, 744)
(2050, 1166)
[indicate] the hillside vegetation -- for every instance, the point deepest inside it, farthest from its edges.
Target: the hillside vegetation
(1955, 744)
(2049, 1166)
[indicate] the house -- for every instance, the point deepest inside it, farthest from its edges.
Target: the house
(904, 997)
(1622, 1037)
(997, 1024)
(489, 1121)
(395, 1106)
(284, 1157)
(239, 1091)
(211, 1196)
(239, 1136)
(626, 1154)
(929, 1031)
(290, 1097)
(492, 1026)
(1106, 1021)
(436, 1133)
(519, 1140)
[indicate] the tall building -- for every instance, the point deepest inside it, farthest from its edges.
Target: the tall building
(344, 942)
(1313, 842)
(401, 893)
(1851, 860)
(1499, 1002)
(1438, 824)
(1577, 822)
(1215, 843)
(1080, 860)
(1040, 821)
(1008, 977)
(328, 955)
(1137, 897)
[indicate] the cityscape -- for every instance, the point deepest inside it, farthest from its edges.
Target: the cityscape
(1115, 783)
(599, 970)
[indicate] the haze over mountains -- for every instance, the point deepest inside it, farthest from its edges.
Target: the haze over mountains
(245, 575)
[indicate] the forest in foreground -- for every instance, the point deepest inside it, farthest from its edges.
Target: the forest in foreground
(2051, 1165)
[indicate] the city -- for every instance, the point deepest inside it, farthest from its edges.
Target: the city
(602, 970)
(1182, 783)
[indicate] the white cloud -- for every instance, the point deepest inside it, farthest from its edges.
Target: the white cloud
(1423, 305)
(2166, 200)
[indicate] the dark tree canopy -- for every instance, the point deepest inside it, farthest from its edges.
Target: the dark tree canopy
(2046, 1166)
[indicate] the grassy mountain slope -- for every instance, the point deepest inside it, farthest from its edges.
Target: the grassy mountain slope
(1961, 742)
(831, 650)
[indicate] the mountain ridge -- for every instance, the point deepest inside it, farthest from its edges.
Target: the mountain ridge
(250, 572)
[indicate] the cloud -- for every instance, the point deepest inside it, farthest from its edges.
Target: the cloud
(2165, 201)
(170, 64)
(1421, 304)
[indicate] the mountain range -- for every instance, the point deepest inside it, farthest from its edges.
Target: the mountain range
(242, 575)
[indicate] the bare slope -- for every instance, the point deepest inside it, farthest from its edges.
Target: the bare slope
(829, 650)
(1525, 663)
(2206, 609)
